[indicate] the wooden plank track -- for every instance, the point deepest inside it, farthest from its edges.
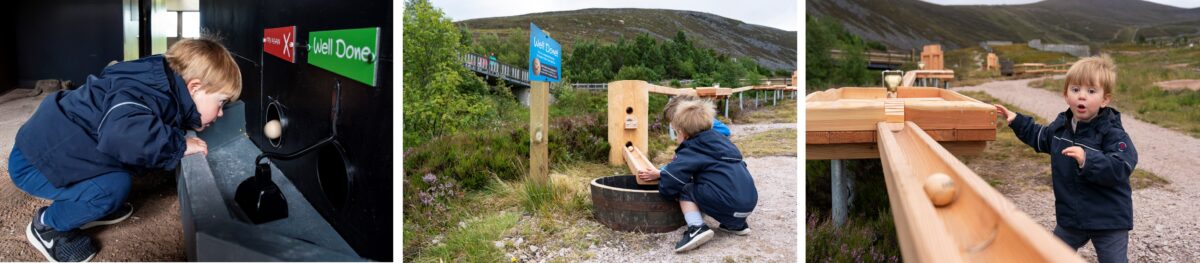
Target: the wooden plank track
(978, 225)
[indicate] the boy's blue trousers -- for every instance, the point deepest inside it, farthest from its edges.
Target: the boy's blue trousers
(75, 204)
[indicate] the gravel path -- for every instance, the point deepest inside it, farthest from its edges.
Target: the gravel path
(1166, 220)
(742, 130)
(773, 223)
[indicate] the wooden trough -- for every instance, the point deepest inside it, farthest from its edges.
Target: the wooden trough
(978, 225)
(943, 211)
(620, 203)
(841, 122)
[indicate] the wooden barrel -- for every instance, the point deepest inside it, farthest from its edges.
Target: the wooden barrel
(621, 204)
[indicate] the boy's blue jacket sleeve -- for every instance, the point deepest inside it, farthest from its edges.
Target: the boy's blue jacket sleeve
(131, 133)
(676, 175)
(1031, 133)
(1114, 162)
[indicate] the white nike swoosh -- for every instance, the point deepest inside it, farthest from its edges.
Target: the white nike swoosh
(694, 234)
(48, 245)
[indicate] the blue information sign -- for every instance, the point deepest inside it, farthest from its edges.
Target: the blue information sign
(545, 56)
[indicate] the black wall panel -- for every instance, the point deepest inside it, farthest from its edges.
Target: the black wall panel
(65, 39)
(356, 200)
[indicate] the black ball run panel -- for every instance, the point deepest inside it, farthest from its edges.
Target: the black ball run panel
(348, 182)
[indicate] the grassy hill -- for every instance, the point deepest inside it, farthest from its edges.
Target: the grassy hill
(772, 48)
(908, 24)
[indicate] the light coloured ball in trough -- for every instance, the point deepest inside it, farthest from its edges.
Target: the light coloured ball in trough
(940, 189)
(273, 129)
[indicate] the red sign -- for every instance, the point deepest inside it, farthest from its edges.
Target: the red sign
(280, 42)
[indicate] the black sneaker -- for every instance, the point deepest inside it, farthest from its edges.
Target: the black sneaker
(121, 214)
(693, 237)
(741, 232)
(58, 246)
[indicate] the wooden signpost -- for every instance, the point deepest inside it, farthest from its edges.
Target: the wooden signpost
(544, 67)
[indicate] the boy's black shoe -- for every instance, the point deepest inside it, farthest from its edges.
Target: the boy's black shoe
(58, 246)
(741, 232)
(693, 237)
(121, 214)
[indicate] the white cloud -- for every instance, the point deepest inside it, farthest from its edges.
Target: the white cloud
(773, 13)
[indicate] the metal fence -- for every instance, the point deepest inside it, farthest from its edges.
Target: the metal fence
(482, 64)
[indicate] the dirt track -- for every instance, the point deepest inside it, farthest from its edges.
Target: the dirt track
(1165, 220)
(153, 233)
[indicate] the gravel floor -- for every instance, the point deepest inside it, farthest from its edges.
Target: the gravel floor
(1166, 220)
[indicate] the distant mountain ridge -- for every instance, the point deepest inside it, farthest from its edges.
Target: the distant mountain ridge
(770, 47)
(909, 24)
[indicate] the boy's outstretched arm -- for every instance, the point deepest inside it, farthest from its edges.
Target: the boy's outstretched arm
(132, 134)
(1028, 131)
(1113, 162)
(676, 175)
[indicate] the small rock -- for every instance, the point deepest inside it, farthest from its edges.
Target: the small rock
(498, 244)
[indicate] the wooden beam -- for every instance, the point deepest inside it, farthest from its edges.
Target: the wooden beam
(627, 99)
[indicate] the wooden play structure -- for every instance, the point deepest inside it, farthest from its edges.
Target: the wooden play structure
(943, 211)
(628, 120)
(993, 62)
(928, 78)
(932, 57)
(1038, 69)
(841, 122)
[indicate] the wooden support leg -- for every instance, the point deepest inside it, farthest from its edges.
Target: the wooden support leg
(740, 105)
(726, 108)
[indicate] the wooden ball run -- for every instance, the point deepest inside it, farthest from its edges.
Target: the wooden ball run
(943, 211)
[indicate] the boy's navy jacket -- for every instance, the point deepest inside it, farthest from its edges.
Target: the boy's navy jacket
(710, 167)
(130, 118)
(1097, 196)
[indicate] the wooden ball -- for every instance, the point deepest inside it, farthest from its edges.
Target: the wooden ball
(941, 189)
(273, 129)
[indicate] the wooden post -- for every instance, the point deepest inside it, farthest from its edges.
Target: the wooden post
(539, 137)
(627, 98)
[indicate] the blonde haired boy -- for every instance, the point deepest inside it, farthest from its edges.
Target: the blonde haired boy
(707, 176)
(1091, 159)
(80, 146)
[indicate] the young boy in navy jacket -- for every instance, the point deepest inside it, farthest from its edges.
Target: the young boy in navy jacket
(1091, 159)
(707, 176)
(80, 146)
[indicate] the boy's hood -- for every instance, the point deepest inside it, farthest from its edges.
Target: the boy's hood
(188, 114)
(712, 144)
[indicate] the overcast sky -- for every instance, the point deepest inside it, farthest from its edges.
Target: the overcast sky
(1177, 3)
(779, 14)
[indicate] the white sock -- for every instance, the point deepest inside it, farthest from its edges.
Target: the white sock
(693, 218)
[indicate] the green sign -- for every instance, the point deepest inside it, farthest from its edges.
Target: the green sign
(352, 53)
